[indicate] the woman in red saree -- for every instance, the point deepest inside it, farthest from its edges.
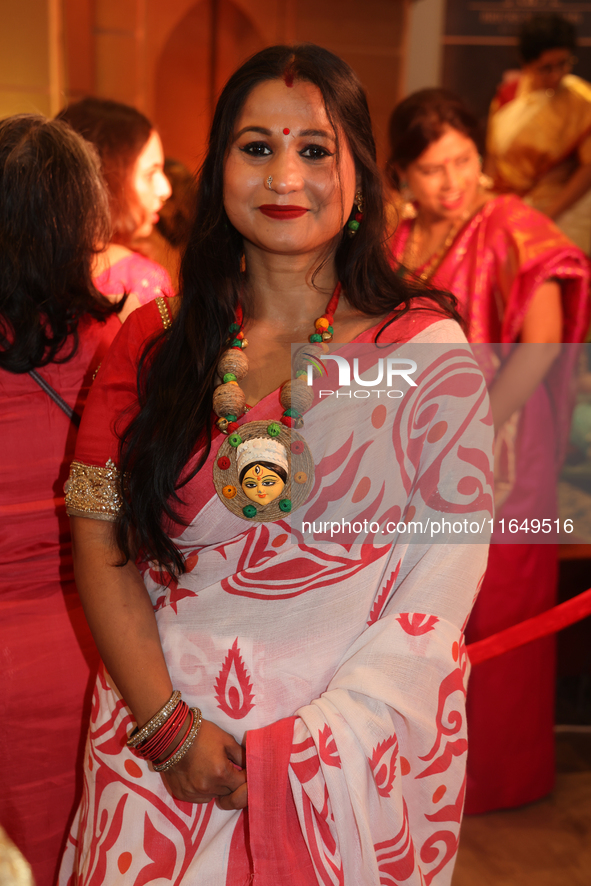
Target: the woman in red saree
(517, 278)
(328, 746)
(54, 330)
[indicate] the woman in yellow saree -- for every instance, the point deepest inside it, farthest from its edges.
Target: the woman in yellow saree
(539, 130)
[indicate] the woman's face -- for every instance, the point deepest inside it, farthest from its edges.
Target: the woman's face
(262, 485)
(549, 68)
(151, 186)
(445, 178)
(284, 132)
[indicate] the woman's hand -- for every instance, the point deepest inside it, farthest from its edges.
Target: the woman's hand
(212, 768)
(575, 188)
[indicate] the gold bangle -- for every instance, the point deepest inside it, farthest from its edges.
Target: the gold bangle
(185, 744)
(152, 726)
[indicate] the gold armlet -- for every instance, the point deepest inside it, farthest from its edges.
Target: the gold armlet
(93, 492)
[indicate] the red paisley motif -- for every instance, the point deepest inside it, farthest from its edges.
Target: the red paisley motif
(233, 686)
(416, 623)
(327, 748)
(383, 765)
(330, 463)
(172, 597)
(382, 599)
(161, 850)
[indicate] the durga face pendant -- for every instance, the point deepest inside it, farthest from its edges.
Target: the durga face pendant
(263, 471)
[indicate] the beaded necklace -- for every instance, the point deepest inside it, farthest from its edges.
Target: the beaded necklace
(264, 469)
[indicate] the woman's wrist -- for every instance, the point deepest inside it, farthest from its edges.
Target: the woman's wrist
(176, 741)
(184, 744)
(168, 734)
(138, 736)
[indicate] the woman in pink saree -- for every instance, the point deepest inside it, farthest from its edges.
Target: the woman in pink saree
(328, 745)
(132, 164)
(517, 278)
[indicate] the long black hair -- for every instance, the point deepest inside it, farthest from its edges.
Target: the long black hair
(54, 216)
(177, 370)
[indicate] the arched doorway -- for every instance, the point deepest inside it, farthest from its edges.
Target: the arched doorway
(206, 45)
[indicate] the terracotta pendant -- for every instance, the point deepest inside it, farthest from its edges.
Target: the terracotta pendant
(263, 471)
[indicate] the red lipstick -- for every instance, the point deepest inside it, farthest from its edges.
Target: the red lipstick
(272, 210)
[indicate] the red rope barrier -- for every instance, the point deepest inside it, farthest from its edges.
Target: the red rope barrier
(541, 625)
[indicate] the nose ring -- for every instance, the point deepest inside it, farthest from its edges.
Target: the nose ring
(270, 182)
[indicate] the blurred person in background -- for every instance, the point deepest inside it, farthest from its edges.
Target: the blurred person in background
(169, 237)
(14, 869)
(54, 330)
(539, 129)
(132, 164)
(517, 278)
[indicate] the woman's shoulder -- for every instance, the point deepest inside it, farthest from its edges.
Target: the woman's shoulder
(499, 206)
(425, 321)
(141, 325)
(578, 87)
(137, 262)
(530, 231)
(509, 213)
(145, 277)
(135, 273)
(153, 317)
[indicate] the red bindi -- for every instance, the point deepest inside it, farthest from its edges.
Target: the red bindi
(286, 131)
(288, 79)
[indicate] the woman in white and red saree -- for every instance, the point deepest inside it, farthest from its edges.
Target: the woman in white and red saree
(329, 672)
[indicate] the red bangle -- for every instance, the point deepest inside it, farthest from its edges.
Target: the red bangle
(153, 747)
(176, 750)
(184, 745)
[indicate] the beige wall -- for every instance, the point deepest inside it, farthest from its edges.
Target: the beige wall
(170, 58)
(31, 58)
(425, 32)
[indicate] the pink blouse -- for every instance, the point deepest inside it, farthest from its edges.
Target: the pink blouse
(136, 275)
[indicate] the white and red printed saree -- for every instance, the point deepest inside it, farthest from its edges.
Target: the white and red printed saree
(341, 666)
